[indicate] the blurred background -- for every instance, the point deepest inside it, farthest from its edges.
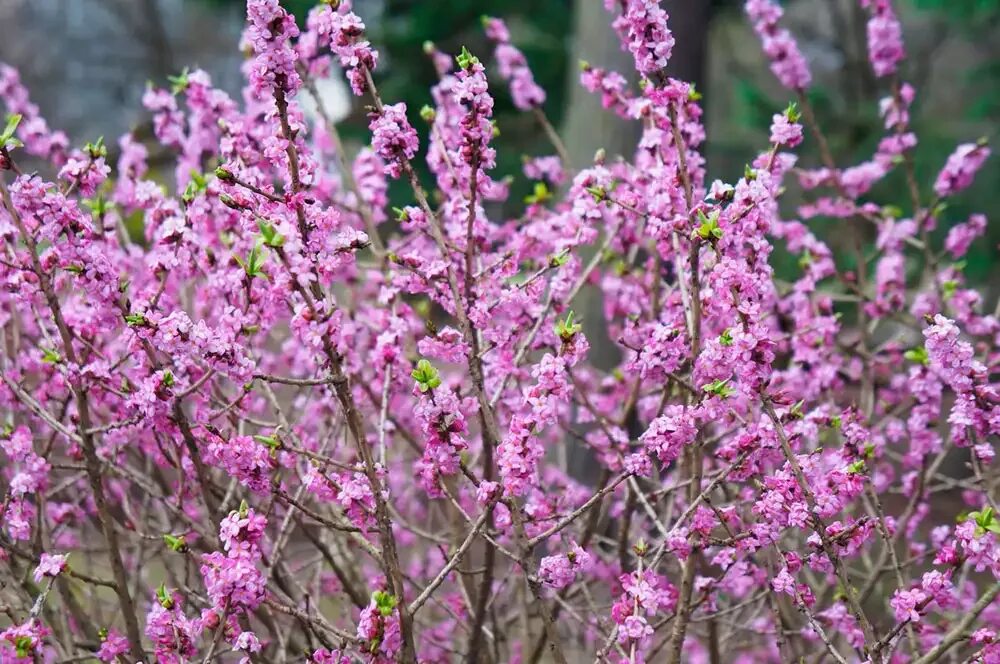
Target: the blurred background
(87, 63)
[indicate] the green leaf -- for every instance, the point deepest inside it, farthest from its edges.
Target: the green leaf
(726, 338)
(272, 441)
(948, 288)
(708, 228)
(179, 84)
(566, 329)
(253, 263)
(271, 236)
(792, 112)
(465, 59)
(539, 195)
(384, 602)
(225, 174)
(918, 355)
(175, 543)
(560, 259)
(168, 379)
(50, 356)
(985, 521)
(24, 646)
(426, 375)
(856, 468)
(98, 206)
(196, 185)
(136, 320)
(599, 193)
(97, 149)
(892, 211)
(719, 388)
(163, 596)
(13, 121)
(230, 202)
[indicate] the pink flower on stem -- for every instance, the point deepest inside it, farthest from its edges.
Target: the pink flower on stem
(393, 138)
(961, 168)
(50, 565)
(885, 37)
(787, 61)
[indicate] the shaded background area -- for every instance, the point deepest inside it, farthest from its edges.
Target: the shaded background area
(88, 61)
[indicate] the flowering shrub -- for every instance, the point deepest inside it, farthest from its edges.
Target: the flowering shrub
(278, 427)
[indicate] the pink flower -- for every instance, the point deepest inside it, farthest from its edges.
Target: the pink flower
(951, 357)
(234, 581)
(50, 565)
(960, 169)
(962, 235)
(783, 582)
(514, 68)
(113, 645)
(559, 571)
(644, 33)
(324, 656)
(343, 32)
(25, 640)
(243, 458)
(393, 138)
(787, 62)
(268, 31)
(634, 628)
(785, 132)
(885, 37)
(379, 631)
(907, 604)
(668, 434)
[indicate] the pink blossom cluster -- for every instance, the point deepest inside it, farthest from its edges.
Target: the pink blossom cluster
(642, 27)
(250, 412)
(787, 62)
(513, 67)
(885, 37)
(269, 29)
(560, 570)
(342, 32)
(393, 138)
(961, 168)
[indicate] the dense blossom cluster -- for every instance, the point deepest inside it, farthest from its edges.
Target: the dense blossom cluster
(249, 416)
(393, 138)
(643, 29)
(513, 67)
(885, 37)
(787, 61)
